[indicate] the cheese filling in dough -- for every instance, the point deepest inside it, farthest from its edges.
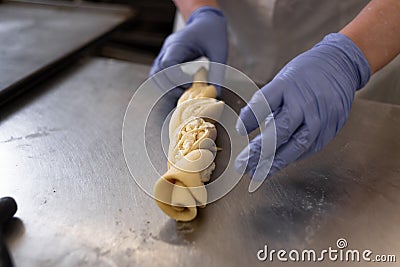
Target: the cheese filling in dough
(191, 151)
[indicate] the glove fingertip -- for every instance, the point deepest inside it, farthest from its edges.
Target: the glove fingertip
(155, 67)
(241, 162)
(273, 170)
(248, 158)
(247, 121)
(251, 172)
(240, 128)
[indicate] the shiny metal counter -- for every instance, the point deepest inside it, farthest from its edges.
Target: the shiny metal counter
(38, 36)
(61, 159)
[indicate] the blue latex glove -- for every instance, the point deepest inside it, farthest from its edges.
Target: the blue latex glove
(205, 34)
(310, 99)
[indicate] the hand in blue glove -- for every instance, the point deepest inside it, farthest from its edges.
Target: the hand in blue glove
(310, 99)
(205, 34)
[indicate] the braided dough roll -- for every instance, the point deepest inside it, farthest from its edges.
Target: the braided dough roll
(191, 151)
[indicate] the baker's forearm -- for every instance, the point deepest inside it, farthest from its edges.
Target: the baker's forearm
(186, 7)
(376, 31)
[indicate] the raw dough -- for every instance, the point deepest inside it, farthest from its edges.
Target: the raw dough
(199, 88)
(194, 108)
(191, 151)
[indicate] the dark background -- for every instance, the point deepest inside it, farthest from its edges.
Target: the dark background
(140, 40)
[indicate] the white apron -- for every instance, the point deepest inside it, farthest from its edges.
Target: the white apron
(266, 34)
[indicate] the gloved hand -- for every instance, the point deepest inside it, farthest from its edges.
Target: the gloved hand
(310, 99)
(205, 34)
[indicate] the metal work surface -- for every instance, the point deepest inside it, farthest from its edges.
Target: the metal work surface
(61, 159)
(36, 35)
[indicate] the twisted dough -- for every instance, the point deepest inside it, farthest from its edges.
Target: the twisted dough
(191, 151)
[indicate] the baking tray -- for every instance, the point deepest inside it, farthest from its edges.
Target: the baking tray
(37, 38)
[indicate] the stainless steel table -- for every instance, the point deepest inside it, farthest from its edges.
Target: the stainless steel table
(38, 36)
(62, 160)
